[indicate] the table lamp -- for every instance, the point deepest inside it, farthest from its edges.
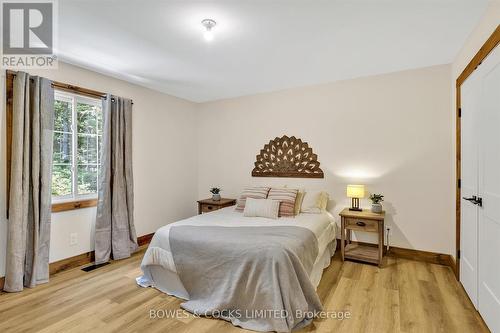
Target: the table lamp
(355, 192)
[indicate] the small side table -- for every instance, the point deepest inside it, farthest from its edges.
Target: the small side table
(365, 221)
(209, 205)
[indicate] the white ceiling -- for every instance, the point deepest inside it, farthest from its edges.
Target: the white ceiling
(259, 45)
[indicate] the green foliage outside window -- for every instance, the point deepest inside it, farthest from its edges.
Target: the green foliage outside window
(88, 138)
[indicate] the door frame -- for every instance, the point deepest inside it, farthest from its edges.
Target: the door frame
(483, 52)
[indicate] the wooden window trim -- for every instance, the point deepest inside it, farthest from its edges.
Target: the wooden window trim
(483, 52)
(78, 90)
(72, 205)
(9, 80)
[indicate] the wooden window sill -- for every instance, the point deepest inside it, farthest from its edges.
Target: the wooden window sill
(72, 205)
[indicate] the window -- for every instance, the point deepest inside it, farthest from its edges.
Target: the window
(77, 145)
(77, 142)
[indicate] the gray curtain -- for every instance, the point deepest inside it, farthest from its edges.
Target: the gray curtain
(115, 235)
(28, 235)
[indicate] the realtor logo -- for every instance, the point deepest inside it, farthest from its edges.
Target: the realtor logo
(28, 32)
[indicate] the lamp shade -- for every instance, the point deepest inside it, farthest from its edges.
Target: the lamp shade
(355, 191)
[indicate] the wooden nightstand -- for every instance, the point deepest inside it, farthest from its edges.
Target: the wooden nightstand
(365, 221)
(208, 205)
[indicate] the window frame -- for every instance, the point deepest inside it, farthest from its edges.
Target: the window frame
(74, 99)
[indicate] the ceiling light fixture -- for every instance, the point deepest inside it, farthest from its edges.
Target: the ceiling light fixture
(209, 25)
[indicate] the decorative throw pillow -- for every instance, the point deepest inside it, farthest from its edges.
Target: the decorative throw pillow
(314, 202)
(298, 202)
(261, 208)
(251, 192)
(287, 198)
(324, 200)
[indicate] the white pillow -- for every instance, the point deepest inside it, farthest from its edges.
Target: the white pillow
(314, 202)
(261, 208)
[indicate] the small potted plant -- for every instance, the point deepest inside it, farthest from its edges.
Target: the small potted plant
(376, 202)
(215, 193)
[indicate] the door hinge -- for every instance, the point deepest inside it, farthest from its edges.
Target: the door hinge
(459, 183)
(459, 112)
(458, 254)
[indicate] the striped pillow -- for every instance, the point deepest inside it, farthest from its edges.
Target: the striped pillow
(287, 198)
(251, 192)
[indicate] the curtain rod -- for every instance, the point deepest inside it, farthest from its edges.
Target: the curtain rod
(74, 89)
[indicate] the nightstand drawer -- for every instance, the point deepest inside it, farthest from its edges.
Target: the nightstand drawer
(361, 224)
(209, 205)
(208, 208)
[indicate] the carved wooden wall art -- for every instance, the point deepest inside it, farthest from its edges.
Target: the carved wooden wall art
(287, 157)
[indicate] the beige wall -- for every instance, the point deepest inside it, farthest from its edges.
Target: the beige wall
(163, 135)
(391, 132)
(484, 29)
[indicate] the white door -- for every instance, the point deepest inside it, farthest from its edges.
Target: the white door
(470, 93)
(489, 191)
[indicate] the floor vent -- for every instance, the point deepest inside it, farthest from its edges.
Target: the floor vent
(92, 267)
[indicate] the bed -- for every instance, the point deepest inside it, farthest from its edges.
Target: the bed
(243, 269)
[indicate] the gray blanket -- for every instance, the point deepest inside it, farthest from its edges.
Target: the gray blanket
(255, 277)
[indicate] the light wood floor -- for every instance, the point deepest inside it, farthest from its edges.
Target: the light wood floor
(404, 296)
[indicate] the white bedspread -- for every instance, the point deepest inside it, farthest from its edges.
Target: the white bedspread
(159, 252)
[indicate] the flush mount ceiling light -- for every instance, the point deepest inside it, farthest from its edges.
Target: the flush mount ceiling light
(209, 25)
